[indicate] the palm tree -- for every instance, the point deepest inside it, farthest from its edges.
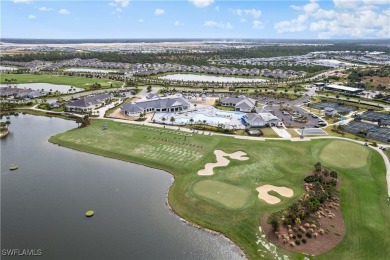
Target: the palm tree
(172, 120)
(191, 121)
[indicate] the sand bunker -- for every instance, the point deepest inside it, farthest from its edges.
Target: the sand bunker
(222, 161)
(283, 191)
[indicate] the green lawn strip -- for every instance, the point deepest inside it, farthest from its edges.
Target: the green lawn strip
(79, 82)
(268, 132)
(280, 163)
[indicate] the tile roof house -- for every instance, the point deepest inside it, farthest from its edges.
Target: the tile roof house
(89, 102)
(160, 104)
(241, 104)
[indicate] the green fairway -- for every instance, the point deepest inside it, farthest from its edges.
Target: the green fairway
(79, 82)
(236, 210)
(230, 196)
(344, 154)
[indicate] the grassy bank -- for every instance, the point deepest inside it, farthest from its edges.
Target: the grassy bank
(283, 163)
(79, 82)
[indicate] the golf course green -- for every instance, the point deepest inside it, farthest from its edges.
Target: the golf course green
(349, 155)
(228, 202)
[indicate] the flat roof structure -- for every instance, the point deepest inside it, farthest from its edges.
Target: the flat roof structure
(343, 88)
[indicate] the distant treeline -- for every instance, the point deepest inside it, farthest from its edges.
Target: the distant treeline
(190, 58)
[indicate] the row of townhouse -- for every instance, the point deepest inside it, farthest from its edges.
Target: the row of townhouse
(21, 92)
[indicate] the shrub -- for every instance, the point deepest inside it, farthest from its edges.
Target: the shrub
(309, 234)
(304, 240)
(333, 174)
(299, 235)
(297, 242)
(331, 182)
(294, 237)
(311, 178)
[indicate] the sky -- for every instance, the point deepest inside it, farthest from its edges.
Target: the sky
(263, 19)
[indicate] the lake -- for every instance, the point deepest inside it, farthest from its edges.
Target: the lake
(90, 70)
(43, 203)
(207, 78)
(45, 86)
(7, 68)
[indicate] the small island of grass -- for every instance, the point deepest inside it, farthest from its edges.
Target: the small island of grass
(89, 213)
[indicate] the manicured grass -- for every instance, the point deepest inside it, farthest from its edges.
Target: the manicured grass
(227, 195)
(281, 163)
(339, 153)
(79, 82)
(268, 132)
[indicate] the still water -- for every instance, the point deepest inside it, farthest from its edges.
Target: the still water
(44, 201)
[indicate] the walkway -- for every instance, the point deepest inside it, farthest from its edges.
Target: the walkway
(281, 132)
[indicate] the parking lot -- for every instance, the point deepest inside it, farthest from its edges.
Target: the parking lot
(274, 105)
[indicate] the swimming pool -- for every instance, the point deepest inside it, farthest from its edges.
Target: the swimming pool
(210, 116)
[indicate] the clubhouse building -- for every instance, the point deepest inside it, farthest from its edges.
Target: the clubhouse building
(169, 104)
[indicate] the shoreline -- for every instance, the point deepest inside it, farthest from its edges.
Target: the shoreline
(4, 134)
(175, 214)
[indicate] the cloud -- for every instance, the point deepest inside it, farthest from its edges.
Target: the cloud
(141, 20)
(294, 25)
(119, 5)
(43, 8)
(350, 4)
(63, 11)
(242, 20)
(348, 19)
(257, 25)
(159, 11)
(250, 12)
(178, 23)
(308, 8)
(360, 24)
(201, 3)
(220, 25)
(117, 10)
(123, 3)
(23, 1)
(31, 17)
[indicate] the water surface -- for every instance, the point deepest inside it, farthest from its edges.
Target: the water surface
(46, 87)
(44, 201)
